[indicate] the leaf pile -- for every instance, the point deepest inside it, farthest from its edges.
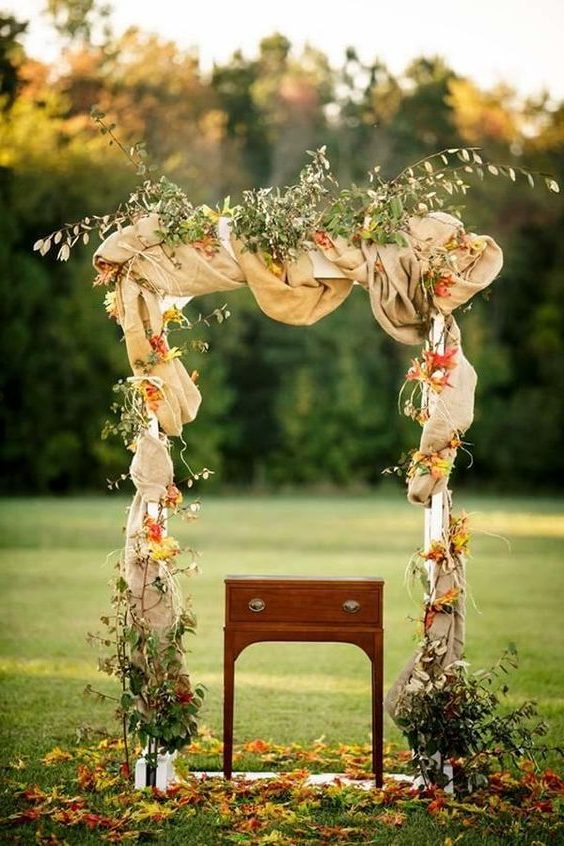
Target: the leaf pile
(87, 798)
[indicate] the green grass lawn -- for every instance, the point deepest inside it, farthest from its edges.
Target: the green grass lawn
(56, 569)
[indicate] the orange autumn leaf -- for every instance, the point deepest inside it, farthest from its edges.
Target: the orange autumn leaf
(257, 747)
(29, 815)
(440, 361)
(206, 246)
(153, 529)
(161, 348)
(159, 345)
(433, 464)
(442, 284)
(459, 534)
(448, 598)
(251, 824)
(436, 553)
(553, 782)
(440, 604)
(93, 821)
(392, 818)
(322, 239)
(33, 793)
(432, 370)
(151, 394)
(436, 805)
(107, 272)
(172, 498)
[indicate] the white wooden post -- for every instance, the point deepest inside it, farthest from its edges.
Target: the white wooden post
(435, 513)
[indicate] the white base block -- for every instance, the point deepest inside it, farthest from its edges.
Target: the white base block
(165, 772)
(419, 781)
(314, 778)
(166, 776)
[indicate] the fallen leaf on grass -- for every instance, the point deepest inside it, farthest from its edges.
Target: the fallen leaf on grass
(29, 815)
(33, 793)
(392, 818)
(56, 756)
(154, 811)
(120, 836)
(257, 747)
(48, 839)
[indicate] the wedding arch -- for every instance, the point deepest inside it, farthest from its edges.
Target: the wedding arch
(299, 251)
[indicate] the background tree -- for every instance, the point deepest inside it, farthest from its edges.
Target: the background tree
(11, 56)
(79, 20)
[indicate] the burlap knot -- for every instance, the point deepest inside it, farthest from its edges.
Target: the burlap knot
(140, 318)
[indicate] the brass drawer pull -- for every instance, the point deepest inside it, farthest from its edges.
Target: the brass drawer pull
(257, 605)
(351, 606)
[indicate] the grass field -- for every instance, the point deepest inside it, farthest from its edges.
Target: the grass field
(54, 587)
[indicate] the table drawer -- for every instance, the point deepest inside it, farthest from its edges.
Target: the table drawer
(348, 603)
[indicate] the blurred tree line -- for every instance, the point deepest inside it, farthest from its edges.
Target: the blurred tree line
(282, 405)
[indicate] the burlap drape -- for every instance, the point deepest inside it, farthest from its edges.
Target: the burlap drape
(151, 471)
(448, 629)
(391, 274)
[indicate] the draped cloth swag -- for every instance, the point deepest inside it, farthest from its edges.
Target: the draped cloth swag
(393, 277)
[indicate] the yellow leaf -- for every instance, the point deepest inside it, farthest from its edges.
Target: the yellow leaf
(56, 756)
(152, 811)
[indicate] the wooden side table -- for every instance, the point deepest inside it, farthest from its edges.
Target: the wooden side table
(294, 608)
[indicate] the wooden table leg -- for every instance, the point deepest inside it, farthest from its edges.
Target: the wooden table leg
(377, 710)
(228, 697)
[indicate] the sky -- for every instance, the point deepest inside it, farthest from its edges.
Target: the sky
(514, 41)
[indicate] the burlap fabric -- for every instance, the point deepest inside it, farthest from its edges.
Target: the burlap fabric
(446, 629)
(154, 601)
(140, 318)
(151, 471)
(452, 414)
(393, 277)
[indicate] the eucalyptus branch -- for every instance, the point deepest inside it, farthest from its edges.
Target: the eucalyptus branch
(278, 223)
(136, 154)
(440, 154)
